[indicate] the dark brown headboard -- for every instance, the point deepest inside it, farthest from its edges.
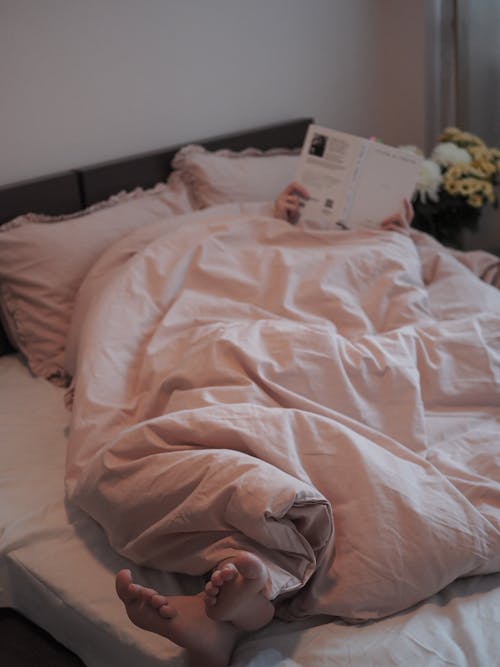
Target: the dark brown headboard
(54, 195)
(100, 181)
(74, 190)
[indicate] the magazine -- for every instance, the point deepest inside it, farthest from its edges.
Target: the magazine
(353, 182)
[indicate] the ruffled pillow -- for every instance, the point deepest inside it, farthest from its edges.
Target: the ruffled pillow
(43, 261)
(225, 176)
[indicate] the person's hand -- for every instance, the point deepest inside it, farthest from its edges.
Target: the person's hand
(400, 222)
(286, 206)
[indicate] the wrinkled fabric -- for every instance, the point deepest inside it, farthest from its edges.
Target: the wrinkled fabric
(327, 399)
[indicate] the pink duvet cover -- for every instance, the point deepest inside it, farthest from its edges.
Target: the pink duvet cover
(329, 399)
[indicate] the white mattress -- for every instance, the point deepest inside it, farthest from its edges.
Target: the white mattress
(57, 568)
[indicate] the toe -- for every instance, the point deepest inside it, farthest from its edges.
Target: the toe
(148, 593)
(135, 590)
(124, 586)
(216, 578)
(228, 572)
(158, 600)
(167, 611)
(211, 589)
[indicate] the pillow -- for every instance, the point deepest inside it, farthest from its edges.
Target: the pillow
(43, 261)
(225, 176)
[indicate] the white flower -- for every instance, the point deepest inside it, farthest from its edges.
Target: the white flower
(449, 153)
(429, 180)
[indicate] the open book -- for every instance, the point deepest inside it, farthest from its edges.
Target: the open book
(353, 182)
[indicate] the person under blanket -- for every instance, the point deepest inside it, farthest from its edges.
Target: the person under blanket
(236, 598)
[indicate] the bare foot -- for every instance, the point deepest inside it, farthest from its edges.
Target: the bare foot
(238, 592)
(180, 618)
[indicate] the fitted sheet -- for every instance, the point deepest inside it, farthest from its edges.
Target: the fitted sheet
(57, 568)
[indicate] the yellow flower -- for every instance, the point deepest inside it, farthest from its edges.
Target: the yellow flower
(479, 152)
(449, 134)
(455, 171)
(495, 156)
(482, 170)
(462, 139)
(466, 186)
(468, 139)
(475, 200)
(489, 192)
(451, 187)
(485, 159)
(488, 168)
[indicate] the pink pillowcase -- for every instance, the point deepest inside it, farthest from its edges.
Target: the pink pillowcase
(226, 176)
(43, 261)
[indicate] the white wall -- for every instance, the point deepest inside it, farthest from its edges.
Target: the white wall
(401, 75)
(87, 80)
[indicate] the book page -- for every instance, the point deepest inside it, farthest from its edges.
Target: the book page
(326, 168)
(386, 177)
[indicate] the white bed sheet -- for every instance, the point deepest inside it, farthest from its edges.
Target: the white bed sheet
(57, 568)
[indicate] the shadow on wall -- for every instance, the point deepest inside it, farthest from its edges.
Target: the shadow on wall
(487, 236)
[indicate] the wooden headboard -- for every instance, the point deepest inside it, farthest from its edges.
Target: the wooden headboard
(100, 181)
(74, 190)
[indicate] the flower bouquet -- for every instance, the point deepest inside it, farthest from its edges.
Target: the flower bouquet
(454, 184)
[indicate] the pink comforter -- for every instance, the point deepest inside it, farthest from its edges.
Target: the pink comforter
(329, 399)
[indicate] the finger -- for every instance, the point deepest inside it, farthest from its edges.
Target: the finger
(292, 213)
(297, 188)
(409, 212)
(392, 225)
(392, 222)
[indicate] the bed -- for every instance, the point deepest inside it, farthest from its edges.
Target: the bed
(92, 259)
